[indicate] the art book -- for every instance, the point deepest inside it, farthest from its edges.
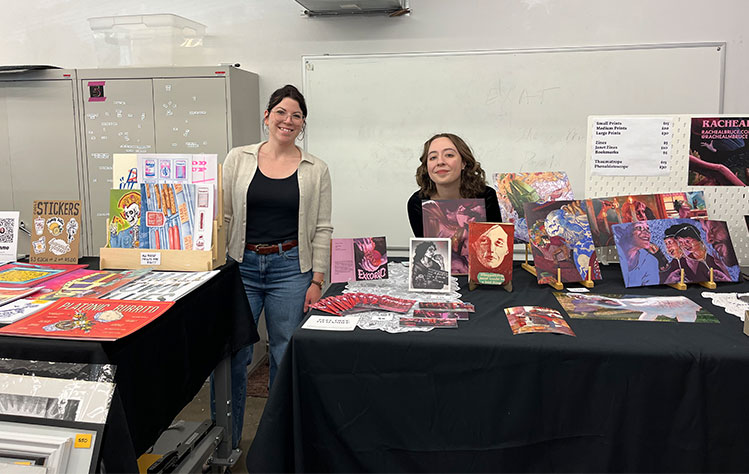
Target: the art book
(124, 218)
(449, 219)
(88, 319)
(604, 212)
(167, 216)
(516, 189)
(658, 251)
(125, 171)
(530, 319)
(634, 307)
(8, 295)
(9, 235)
(26, 275)
(718, 151)
(358, 259)
(560, 239)
(490, 253)
(429, 269)
(56, 231)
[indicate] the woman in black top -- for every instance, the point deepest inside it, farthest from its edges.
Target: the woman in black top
(448, 170)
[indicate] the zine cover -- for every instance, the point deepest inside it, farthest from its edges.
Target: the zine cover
(358, 259)
(604, 212)
(88, 319)
(124, 218)
(161, 286)
(8, 295)
(453, 306)
(560, 239)
(167, 216)
(490, 253)
(9, 235)
(459, 315)
(718, 155)
(449, 219)
(530, 319)
(93, 284)
(516, 189)
(429, 269)
(428, 323)
(655, 252)
(55, 232)
(634, 308)
(125, 171)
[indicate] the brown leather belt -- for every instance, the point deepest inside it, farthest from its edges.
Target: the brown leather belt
(266, 249)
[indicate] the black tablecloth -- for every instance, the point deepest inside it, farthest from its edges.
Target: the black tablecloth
(161, 367)
(621, 396)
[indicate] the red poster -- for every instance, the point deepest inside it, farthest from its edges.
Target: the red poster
(88, 319)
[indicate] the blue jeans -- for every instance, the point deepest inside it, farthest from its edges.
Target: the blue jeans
(272, 282)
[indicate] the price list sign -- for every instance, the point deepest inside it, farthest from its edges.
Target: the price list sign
(631, 146)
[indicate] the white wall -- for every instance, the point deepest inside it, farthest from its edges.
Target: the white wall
(270, 36)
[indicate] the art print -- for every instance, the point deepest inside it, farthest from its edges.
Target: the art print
(634, 308)
(516, 189)
(490, 253)
(531, 319)
(124, 218)
(429, 268)
(718, 155)
(360, 259)
(167, 216)
(561, 242)
(449, 219)
(659, 251)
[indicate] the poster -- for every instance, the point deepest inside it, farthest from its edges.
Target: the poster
(718, 155)
(634, 308)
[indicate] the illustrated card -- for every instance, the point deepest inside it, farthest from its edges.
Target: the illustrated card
(9, 235)
(718, 151)
(490, 253)
(449, 219)
(560, 239)
(530, 319)
(56, 231)
(634, 307)
(430, 265)
(165, 168)
(659, 251)
(514, 190)
(26, 275)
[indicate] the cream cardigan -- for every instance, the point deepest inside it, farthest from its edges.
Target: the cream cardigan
(315, 228)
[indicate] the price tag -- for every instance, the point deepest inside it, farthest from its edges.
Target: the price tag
(82, 441)
(150, 258)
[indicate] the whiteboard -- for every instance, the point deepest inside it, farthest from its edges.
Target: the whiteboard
(369, 115)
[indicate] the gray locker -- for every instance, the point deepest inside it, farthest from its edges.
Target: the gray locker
(39, 152)
(160, 110)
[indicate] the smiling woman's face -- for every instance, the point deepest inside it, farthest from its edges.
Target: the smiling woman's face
(444, 163)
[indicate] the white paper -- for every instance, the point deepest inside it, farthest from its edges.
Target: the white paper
(578, 290)
(631, 146)
(331, 323)
(9, 235)
(150, 258)
(736, 304)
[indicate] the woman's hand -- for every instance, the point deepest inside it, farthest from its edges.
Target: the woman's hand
(313, 295)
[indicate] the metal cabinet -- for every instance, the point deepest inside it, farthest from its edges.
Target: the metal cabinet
(40, 157)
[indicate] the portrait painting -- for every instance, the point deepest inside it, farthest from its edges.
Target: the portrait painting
(490, 253)
(659, 251)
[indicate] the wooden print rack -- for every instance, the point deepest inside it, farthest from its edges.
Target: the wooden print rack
(557, 283)
(681, 286)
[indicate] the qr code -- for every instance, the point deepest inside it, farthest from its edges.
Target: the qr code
(6, 230)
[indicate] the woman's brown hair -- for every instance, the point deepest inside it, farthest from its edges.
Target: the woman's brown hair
(472, 177)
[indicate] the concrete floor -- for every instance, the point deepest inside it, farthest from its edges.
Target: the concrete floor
(198, 410)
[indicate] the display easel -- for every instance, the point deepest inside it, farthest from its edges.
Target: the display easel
(175, 260)
(556, 284)
(681, 286)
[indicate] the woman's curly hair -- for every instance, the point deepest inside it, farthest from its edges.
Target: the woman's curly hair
(472, 177)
